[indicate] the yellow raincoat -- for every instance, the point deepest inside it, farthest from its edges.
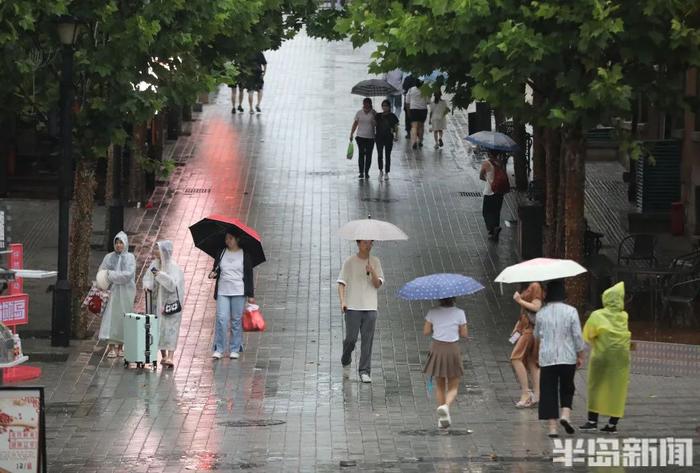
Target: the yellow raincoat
(609, 367)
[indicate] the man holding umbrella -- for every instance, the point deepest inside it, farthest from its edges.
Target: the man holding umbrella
(359, 280)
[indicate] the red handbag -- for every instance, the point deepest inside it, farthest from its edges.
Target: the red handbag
(253, 320)
(95, 304)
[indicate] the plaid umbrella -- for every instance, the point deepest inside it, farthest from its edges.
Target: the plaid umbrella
(374, 88)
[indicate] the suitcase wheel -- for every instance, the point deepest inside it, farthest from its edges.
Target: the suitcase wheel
(126, 364)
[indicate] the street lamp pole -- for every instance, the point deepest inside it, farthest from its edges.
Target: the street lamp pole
(62, 302)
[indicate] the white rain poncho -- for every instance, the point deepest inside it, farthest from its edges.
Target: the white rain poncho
(121, 269)
(167, 287)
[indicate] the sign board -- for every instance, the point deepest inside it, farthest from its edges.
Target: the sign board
(16, 260)
(22, 430)
(14, 310)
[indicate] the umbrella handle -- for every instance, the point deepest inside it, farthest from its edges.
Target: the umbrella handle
(501, 284)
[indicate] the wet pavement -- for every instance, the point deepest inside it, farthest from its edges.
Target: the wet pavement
(284, 405)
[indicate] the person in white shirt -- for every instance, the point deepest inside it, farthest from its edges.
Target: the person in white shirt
(417, 105)
(233, 271)
(359, 280)
(438, 120)
(365, 125)
(395, 78)
(446, 323)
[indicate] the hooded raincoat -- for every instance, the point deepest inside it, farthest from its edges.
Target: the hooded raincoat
(607, 333)
(167, 287)
(121, 274)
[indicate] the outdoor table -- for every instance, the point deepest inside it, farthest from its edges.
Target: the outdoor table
(655, 274)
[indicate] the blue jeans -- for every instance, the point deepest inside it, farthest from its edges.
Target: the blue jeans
(229, 308)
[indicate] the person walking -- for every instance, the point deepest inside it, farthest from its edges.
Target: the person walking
(418, 110)
(387, 132)
(360, 278)
(255, 80)
(558, 329)
(607, 333)
(365, 125)
(236, 90)
(166, 281)
(438, 118)
(496, 184)
(524, 354)
(447, 324)
(233, 271)
(121, 273)
(395, 78)
(408, 82)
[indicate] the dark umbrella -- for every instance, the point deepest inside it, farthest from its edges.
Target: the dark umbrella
(374, 88)
(209, 235)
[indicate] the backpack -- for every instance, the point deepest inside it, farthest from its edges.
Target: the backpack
(500, 184)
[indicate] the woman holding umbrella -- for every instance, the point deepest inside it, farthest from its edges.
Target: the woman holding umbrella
(236, 249)
(446, 324)
(524, 355)
(233, 271)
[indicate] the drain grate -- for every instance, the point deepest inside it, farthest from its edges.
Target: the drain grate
(436, 433)
(252, 423)
(470, 194)
(197, 190)
(379, 200)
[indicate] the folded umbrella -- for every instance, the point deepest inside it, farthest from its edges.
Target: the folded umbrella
(493, 140)
(209, 235)
(374, 88)
(540, 269)
(439, 286)
(371, 229)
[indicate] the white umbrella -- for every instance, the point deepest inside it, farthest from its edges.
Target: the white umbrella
(540, 269)
(371, 229)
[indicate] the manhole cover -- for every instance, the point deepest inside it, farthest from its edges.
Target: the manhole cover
(323, 173)
(252, 423)
(470, 194)
(377, 199)
(435, 432)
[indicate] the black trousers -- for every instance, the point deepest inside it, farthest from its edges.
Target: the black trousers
(386, 145)
(556, 389)
(491, 211)
(407, 120)
(364, 147)
(593, 417)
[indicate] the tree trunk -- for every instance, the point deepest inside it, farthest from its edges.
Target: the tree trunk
(560, 224)
(109, 194)
(574, 218)
(553, 149)
(539, 152)
(520, 161)
(80, 236)
(137, 174)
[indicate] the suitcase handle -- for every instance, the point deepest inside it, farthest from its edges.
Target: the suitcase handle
(148, 302)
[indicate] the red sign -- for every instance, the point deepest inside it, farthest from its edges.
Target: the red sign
(14, 309)
(16, 286)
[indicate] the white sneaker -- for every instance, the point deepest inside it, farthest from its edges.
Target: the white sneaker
(364, 377)
(216, 355)
(386, 176)
(234, 355)
(444, 416)
(437, 146)
(346, 371)
(381, 175)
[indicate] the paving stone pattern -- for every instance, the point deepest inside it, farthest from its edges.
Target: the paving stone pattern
(284, 405)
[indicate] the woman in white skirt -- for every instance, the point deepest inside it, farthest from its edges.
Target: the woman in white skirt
(446, 323)
(167, 281)
(438, 118)
(120, 267)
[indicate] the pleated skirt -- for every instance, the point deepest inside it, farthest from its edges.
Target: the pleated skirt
(444, 360)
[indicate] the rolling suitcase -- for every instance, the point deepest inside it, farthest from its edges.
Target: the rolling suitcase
(141, 336)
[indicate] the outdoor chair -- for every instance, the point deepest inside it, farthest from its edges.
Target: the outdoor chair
(638, 247)
(683, 293)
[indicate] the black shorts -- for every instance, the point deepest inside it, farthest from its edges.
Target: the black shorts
(418, 115)
(253, 83)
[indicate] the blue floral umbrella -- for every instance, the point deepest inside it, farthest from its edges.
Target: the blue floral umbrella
(439, 286)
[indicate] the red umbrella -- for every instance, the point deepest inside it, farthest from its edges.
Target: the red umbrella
(209, 236)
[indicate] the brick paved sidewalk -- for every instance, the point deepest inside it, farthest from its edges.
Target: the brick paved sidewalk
(284, 172)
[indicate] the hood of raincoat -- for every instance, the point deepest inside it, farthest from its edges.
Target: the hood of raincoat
(166, 254)
(113, 260)
(610, 322)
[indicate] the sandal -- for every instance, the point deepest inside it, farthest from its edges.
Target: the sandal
(111, 353)
(529, 402)
(120, 353)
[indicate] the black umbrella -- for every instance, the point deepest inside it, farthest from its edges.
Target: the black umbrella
(209, 235)
(374, 88)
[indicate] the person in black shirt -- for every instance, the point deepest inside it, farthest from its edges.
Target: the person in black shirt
(252, 79)
(408, 82)
(387, 133)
